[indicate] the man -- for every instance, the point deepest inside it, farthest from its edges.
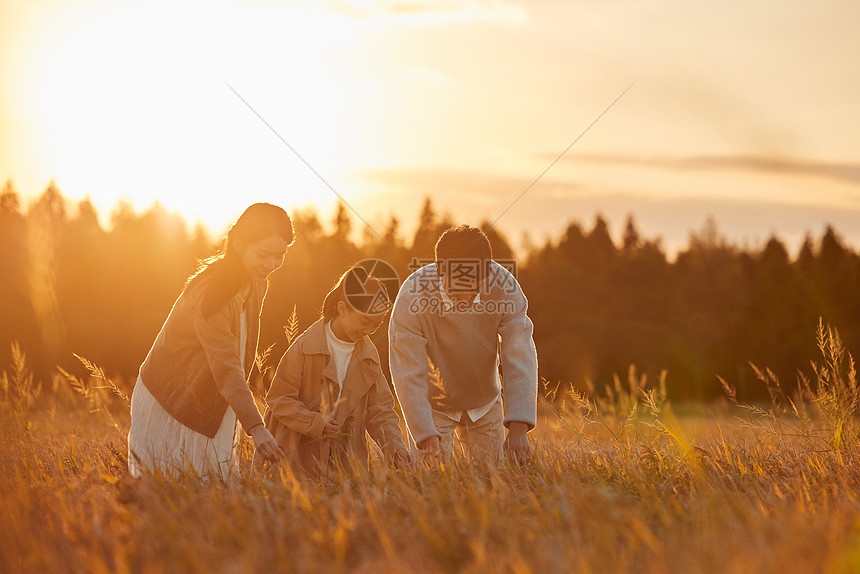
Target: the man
(452, 322)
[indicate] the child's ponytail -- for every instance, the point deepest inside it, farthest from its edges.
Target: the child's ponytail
(359, 289)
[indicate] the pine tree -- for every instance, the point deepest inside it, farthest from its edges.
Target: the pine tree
(18, 321)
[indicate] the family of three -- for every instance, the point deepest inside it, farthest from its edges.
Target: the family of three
(452, 324)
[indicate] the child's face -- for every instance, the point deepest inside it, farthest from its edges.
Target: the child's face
(262, 257)
(351, 326)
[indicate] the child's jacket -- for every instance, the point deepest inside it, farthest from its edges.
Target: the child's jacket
(301, 399)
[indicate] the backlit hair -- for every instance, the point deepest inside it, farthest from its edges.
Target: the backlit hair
(228, 274)
(463, 242)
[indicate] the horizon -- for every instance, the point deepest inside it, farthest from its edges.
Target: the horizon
(407, 227)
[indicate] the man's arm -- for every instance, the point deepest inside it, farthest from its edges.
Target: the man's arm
(519, 362)
(407, 353)
(520, 379)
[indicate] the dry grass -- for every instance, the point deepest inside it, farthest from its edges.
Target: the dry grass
(619, 484)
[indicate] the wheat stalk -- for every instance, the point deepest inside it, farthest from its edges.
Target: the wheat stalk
(78, 385)
(99, 373)
(291, 330)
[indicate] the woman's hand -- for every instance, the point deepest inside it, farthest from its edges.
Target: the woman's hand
(264, 442)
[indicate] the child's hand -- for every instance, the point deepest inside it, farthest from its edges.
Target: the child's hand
(331, 427)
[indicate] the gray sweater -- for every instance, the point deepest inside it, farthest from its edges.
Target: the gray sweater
(464, 343)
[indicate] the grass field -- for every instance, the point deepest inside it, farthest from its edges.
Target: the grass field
(620, 483)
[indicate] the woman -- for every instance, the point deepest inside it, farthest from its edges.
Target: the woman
(192, 387)
(329, 388)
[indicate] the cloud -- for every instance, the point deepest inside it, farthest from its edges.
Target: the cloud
(842, 172)
(467, 188)
(549, 207)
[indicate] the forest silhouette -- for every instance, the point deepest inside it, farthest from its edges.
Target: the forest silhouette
(71, 287)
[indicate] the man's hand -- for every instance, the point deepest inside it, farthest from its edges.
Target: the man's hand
(264, 442)
(517, 443)
(431, 449)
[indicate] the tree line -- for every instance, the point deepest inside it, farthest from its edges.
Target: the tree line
(70, 286)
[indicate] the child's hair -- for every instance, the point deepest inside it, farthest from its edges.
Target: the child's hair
(463, 242)
(228, 274)
(361, 291)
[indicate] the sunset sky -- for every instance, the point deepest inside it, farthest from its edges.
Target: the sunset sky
(747, 111)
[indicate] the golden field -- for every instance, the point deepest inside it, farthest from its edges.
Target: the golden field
(621, 481)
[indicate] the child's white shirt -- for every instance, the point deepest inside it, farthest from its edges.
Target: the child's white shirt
(341, 353)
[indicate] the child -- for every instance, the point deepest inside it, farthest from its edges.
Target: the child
(329, 388)
(193, 387)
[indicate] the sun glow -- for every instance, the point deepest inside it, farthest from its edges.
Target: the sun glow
(131, 99)
(138, 102)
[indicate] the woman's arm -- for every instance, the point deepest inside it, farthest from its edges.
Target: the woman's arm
(222, 353)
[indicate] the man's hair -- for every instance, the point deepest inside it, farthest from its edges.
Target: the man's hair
(463, 242)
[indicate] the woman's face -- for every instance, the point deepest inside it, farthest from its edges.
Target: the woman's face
(351, 326)
(262, 257)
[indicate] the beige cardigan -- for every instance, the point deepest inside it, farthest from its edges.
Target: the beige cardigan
(193, 369)
(466, 347)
